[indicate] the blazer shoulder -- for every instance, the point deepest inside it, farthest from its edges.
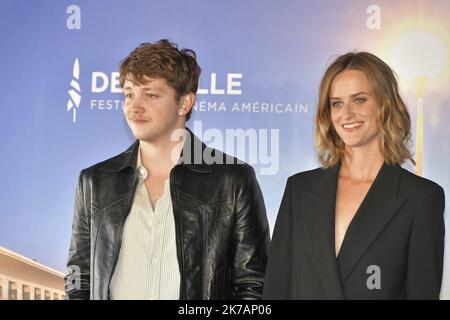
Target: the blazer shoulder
(308, 177)
(416, 184)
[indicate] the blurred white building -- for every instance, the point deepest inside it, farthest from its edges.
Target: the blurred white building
(24, 279)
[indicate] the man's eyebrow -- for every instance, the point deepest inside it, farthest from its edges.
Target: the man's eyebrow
(150, 88)
(144, 88)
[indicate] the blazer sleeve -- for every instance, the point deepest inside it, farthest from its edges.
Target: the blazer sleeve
(251, 238)
(426, 248)
(277, 284)
(77, 281)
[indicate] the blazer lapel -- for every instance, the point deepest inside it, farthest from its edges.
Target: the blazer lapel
(318, 207)
(378, 208)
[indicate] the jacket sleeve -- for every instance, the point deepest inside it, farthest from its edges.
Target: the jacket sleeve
(426, 248)
(77, 281)
(277, 285)
(251, 238)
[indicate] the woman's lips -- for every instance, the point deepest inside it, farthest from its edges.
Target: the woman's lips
(352, 126)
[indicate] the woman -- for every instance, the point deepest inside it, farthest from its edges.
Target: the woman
(360, 227)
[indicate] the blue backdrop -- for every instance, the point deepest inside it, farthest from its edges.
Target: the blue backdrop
(261, 66)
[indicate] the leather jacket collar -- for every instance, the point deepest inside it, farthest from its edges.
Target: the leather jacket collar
(191, 156)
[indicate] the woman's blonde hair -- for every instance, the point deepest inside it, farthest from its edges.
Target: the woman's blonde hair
(394, 122)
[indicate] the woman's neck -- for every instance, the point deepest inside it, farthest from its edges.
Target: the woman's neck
(361, 164)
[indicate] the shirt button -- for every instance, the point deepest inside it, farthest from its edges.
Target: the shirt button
(150, 223)
(143, 172)
(155, 260)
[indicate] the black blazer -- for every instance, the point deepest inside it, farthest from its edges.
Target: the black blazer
(399, 228)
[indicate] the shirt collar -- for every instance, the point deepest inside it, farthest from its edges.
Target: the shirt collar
(141, 170)
(143, 173)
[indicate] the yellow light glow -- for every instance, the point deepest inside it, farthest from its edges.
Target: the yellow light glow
(419, 54)
(418, 51)
(418, 48)
(419, 137)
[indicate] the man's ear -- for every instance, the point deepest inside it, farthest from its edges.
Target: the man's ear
(186, 103)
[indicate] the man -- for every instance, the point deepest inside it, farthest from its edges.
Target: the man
(169, 218)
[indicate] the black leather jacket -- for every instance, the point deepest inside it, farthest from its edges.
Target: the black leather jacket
(222, 234)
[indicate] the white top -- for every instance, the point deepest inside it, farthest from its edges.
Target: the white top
(147, 268)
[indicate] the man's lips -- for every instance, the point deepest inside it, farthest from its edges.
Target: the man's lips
(139, 121)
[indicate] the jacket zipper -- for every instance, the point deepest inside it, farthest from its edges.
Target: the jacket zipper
(204, 248)
(179, 232)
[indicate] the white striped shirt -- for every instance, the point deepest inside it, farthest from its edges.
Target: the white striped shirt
(147, 268)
